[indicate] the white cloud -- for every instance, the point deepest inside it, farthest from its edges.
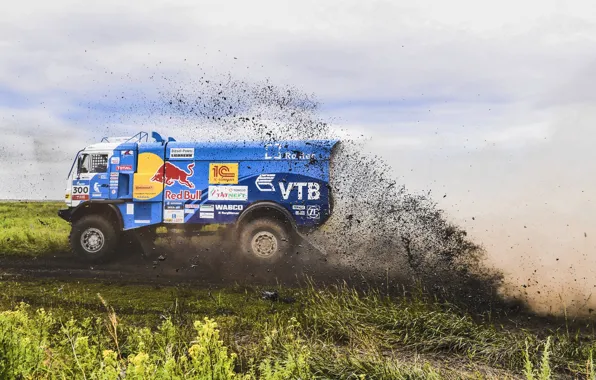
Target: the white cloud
(489, 103)
(520, 136)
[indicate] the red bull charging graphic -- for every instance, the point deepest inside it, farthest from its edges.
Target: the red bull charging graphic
(173, 173)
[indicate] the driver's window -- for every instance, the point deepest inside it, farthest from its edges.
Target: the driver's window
(93, 163)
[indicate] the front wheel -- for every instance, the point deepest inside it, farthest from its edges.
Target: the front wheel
(265, 240)
(93, 238)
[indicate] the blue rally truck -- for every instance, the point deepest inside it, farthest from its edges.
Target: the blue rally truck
(265, 194)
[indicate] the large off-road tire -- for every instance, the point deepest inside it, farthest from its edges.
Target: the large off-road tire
(93, 238)
(264, 240)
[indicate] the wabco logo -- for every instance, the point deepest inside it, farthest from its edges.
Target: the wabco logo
(264, 182)
(229, 207)
(173, 173)
(312, 189)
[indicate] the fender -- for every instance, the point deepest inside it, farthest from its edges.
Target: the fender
(266, 205)
(69, 214)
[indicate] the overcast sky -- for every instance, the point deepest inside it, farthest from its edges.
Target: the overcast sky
(492, 104)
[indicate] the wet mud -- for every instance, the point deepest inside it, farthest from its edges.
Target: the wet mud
(379, 232)
(207, 261)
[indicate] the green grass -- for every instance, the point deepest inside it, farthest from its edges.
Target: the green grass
(32, 228)
(93, 330)
(331, 333)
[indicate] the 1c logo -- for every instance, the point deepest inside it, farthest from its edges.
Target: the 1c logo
(223, 173)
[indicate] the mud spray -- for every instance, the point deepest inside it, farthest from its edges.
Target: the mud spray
(378, 229)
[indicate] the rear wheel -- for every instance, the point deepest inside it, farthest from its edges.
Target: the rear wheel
(264, 240)
(93, 238)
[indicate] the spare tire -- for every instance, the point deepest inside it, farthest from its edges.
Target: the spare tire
(264, 240)
(93, 238)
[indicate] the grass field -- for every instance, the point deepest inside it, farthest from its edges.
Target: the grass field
(71, 329)
(89, 330)
(32, 228)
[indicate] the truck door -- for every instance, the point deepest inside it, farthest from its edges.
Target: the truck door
(90, 179)
(122, 168)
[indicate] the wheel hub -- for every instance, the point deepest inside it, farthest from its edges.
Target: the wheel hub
(92, 240)
(264, 244)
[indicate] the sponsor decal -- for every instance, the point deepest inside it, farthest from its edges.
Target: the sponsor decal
(130, 208)
(264, 182)
(312, 190)
(174, 206)
(122, 168)
(127, 153)
(184, 195)
(228, 193)
(223, 173)
(113, 175)
(300, 213)
(148, 164)
(206, 215)
(274, 152)
(229, 207)
(313, 212)
(67, 196)
(114, 192)
(192, 206)
(298, 207)
(80, 193)
(173, 216)
(169, 173)
(115, 160)
(103, 176)
(96, 191)
(207, 208)
(189, 211)
(182, 153)
(142, 221)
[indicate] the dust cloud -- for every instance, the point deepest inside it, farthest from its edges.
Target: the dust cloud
(378, 227)
(471, 251)
(539, 228)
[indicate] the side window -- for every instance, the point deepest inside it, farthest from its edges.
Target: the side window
(99, 163)
(93, 163)
(83, 163)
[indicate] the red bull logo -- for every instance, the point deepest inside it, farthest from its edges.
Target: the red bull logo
(183, 195)
(169, 173)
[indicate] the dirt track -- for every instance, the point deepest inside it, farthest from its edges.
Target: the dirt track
(204, 265)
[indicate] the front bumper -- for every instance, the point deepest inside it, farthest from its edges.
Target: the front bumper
(65, 214)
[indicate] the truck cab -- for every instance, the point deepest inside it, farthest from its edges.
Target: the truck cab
(266, 194)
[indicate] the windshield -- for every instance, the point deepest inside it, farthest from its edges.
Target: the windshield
(73, 163)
